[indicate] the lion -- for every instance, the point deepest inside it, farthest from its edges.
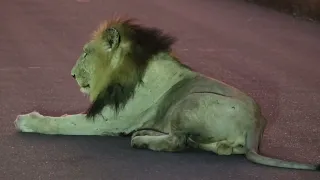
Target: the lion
(137, 87)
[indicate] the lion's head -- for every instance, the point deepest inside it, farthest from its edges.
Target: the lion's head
(113, 62)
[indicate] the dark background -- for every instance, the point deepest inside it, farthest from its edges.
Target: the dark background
(270, 55)
(307, 9)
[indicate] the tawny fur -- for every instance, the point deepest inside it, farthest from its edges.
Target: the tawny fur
(135, 83)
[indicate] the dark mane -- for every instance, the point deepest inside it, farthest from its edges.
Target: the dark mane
(146, 42)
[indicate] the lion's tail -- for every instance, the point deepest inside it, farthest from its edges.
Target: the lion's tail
(252, 145)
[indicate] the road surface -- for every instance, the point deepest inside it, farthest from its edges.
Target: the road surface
(272, 56)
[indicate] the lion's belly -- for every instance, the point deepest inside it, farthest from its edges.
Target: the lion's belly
(211, 118)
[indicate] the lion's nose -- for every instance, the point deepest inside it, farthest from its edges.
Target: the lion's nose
(74, 76)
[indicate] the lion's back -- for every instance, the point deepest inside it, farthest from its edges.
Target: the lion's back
(201, 103)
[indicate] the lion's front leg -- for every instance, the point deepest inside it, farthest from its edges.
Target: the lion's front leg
(76, 124)
(170, 143)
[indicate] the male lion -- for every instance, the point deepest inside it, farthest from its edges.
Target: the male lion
(138, 87)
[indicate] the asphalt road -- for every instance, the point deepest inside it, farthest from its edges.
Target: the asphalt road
(271, 56)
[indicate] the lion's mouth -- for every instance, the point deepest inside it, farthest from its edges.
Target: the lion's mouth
(85, 89)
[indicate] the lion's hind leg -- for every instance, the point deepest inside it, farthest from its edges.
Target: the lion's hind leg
(222, 148)
(147, 132)
(167, 142)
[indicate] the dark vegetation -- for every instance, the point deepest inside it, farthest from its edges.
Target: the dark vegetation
(309, 9)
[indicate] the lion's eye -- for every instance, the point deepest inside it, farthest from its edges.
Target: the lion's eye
(85, 55)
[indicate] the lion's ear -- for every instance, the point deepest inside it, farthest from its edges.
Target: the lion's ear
(111, 37)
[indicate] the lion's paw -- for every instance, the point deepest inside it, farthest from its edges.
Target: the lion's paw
(137, 142)
(224, 149)
(26, 122)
